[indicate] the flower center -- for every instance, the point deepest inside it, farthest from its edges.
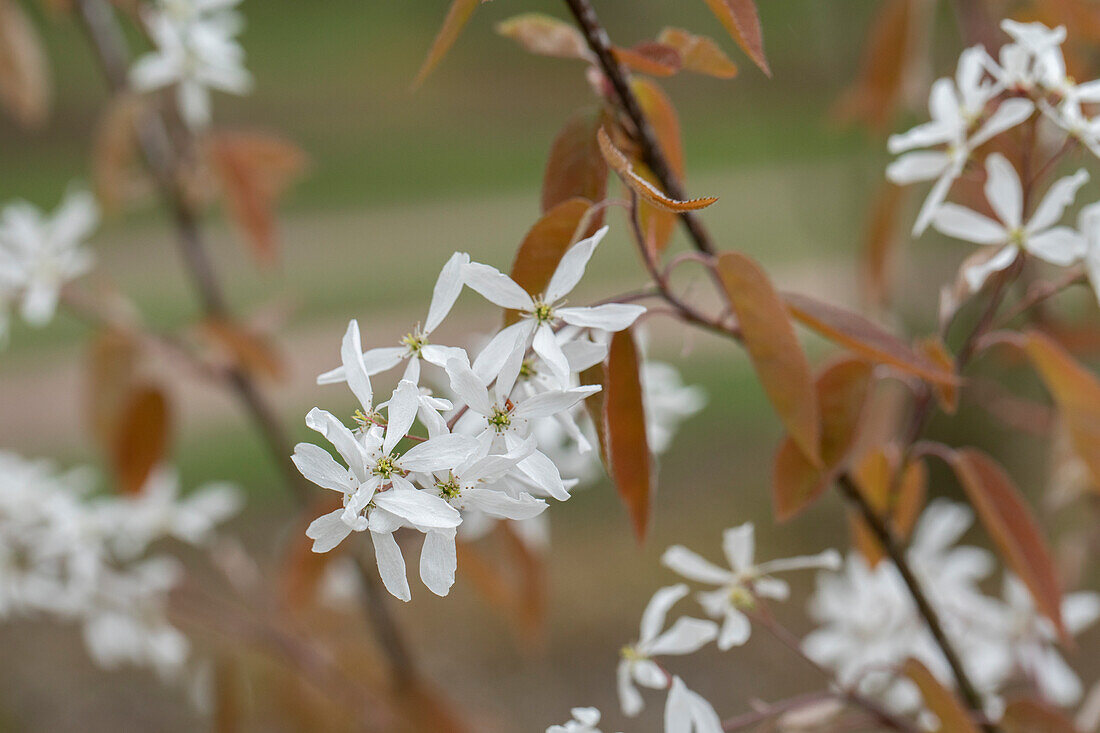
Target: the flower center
(449, 489)
(631, 654)
(1017, 236)
(415, 340)
(386, 467)
(527, 369)
(543, 312)
(742, 598)
(500, 419)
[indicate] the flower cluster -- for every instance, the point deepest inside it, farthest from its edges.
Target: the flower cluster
(492, 447)
(738, 590)
(39, 253)
(74, 556)
(869, 625)
(1028, 83)
(196, 51)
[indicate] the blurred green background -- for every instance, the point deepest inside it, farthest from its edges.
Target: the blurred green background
(397, 182)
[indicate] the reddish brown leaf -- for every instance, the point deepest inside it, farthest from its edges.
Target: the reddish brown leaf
(655, 59)
(141, 438)
(769, 337)
(874, 95)
(575, 167)
(699, 53)
(942, 702)
(112, 360)
(897, 500)
(741, 20)
(117, 169)
(544, 245)
(1008, 519)
(1027, 715)
(642, 187)
(855, 332)
(947, 395)
(842, 391)
(24, 71)
(662, 117)
(254, 169)
(457, 16)
(881, 241)
(247, 349)
(1076, 391)
(545, 35)
(628, 460)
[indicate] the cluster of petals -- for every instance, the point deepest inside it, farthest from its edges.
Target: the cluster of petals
(70, 555)
(1027, 82)
(476, 453)
(41, 252)
(868, 625)
(196, 51)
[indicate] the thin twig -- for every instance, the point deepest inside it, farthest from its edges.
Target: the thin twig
(600, 44)
(102, 27)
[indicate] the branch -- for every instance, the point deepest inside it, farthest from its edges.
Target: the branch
(600, 44)
(102, 27)
(896, 553)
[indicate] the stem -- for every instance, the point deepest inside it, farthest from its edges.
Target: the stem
(600, 44)
(896, 553)
(775, 709)
(102, 27)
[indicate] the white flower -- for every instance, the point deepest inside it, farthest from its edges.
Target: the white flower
(1031, 639)
(956, 108)
(685, 636)
(667, 402)
(746, 579)
(132, 523)
(40, 253)
(541, 313)
(131, 626)
(689, 712)
(1088, 222)
(1035, 58)
(416, 345)
(195, 54)
(1038, 236)
(508, 421)
(584, 720)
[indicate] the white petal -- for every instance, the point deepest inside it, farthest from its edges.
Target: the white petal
(500, 348)
(917, 166)
(544, 474)
(75, 219)
(976, 275)
(469, 387)
(439, 453)
(630, 700)
(391, 565)
(681, 560)
(936, 196)
(440, 355)
(736, 629)
(648, 673)
(153, 71)
(686, 636)
(335, 432)
(318, 466)
(355, 370)
(1053, 205)
(499, 504)
(448, 286)
(496, 287)
(375, 361)
(1003, 190)
(419, 508)
(546, 346)
(1057, 681)
(1080, 610)
(739, 544)
(1010, 113)
(607, 317)
(653, 618)
(545, 404)
(401, 414)
(327, 531)
(40, 302)
(962, 223)
(438, 562)
(1058, 246)
(570, 269)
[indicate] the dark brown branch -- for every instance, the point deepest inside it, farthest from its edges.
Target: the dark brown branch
(896, 553)
(600, 44)
(102, 27)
